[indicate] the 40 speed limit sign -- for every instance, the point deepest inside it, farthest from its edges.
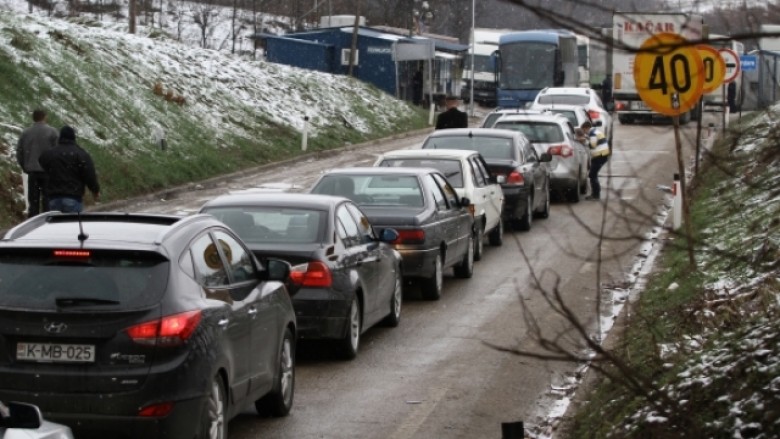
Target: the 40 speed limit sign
(669, 74)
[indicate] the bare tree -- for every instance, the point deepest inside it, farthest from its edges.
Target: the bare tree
(202, 14)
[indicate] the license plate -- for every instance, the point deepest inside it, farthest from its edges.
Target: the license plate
(55, 352)
(639, 105)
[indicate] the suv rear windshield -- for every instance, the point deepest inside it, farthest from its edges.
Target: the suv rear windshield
(450, 168)
(564, 99)
(52, 280)
(537, 132)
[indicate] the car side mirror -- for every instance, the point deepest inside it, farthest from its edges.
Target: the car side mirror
(545, 157)
(21, 415)
(277, 269)
(388, 235)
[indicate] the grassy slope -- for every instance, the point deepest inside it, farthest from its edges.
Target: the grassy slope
(721, 363)
(235, 116)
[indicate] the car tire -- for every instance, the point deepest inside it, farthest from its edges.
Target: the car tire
(349, 345)
(625, 120)
(478, 240)
(279, 401)
(214, 423)
(465, 269)
(525, 222)
(431, 287)
(496, 236)
(545, 212)
(575, 192)
(394, 317)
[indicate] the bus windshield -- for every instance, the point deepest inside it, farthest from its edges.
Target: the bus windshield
(527, 66)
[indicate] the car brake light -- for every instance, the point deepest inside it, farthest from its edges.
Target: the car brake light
(561, 150)
(515, 178)
(620, 105)
(410, 236)
(314, 274)
(172, 330)
(156, 410)
(594, 114)
(72, 253)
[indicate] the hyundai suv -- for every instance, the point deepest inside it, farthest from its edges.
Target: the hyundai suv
(142, 326)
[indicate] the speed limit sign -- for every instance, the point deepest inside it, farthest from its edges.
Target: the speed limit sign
(669, 74)
(714, 67)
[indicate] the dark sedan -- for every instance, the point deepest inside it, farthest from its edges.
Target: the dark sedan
(524, 177)
(344, 278)
(435, 228)
(142, 326)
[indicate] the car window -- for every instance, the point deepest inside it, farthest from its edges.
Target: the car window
(489, 147)
(209, 268)
(449, 193)
(349, 227)
(450, 168)
(482, 166)
(363, 224)
(480, 180)
(272, 224)
(538, 132)
(491, 119)
(564, 99)
(36, 278)
(438, 196)
(378, 190)
(239, 261)
(530, 153)
(570, 115)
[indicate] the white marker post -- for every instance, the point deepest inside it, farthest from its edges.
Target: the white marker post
(305, 140)
(676, 203)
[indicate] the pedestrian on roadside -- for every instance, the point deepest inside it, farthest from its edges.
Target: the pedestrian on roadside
(452, 117)
(33, 142)
(70, 170)
(599, 153)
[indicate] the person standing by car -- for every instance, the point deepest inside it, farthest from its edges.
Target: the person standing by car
(599, 153)
(452, 117)
(36, 139)
(70, 170)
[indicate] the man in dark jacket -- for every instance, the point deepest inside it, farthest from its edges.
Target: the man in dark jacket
(32, 143)
(70, 170)
(452, 117)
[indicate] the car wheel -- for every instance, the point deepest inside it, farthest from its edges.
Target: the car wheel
(497, 234)
(575, 192)
(394, 318)
(214, 423)
(279, 401)
(351, 342)
(584, 184)
(625, 120)
(545, 212)
(431, 287)
(465, 269)
(524, 223)
(478, 240)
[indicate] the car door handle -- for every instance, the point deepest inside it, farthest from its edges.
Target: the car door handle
(223, 322)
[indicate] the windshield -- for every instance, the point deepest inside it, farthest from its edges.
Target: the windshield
(373, 190)
(272, 224)
(527, 66)
(564, 99)
(41, 279)
(570, 114)
(489, 147)
(450, 168)
(537, 132)
(482, 63)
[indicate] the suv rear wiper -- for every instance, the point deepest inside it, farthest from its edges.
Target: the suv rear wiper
(65, 302)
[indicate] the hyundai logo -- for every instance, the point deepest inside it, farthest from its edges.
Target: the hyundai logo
(55, 327)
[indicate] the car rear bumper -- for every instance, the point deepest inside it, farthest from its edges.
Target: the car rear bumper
(515, 202)
(418, 262)
(321, 313)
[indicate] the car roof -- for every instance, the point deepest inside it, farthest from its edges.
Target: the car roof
(546, 117)
(401, 170)
(279, 199)
(479, 132)
(566, 90)
(433, 153)
(548, 107)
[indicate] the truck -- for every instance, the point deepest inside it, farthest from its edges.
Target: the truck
(630, 30)
(485, 43)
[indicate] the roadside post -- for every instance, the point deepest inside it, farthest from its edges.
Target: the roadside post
(305, 140)
(670, 77)
(676, 203)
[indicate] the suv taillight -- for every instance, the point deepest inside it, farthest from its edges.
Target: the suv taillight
(561, 150)
(410, 236)
(172, 330)
(515, 178)
(315, 274)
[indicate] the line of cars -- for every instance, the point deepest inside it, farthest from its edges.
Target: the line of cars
(134, 325)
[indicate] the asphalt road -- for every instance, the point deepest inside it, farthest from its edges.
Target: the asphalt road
(436, 375)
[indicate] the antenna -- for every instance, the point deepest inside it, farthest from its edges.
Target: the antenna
(82, 236)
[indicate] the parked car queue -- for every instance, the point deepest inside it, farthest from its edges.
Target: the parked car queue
(164, 315)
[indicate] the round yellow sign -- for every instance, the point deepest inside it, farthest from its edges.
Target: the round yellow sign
(668, 74)
(714, 67)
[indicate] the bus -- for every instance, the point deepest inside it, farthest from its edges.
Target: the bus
(529, 61)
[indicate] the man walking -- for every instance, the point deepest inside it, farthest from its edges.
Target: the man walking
(33, 142)
(599, 153)
(452, 117)
(70, 170)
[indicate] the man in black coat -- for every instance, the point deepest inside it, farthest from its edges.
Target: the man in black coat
(452, 117)
(70, 170)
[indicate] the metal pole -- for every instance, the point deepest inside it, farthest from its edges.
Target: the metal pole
(473, 43)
